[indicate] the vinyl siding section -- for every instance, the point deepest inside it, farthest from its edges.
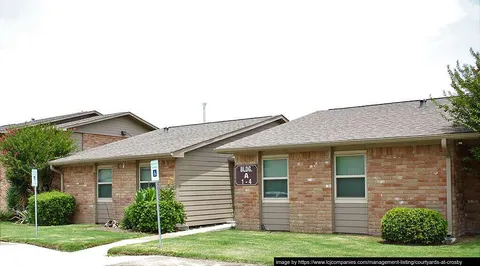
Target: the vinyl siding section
(105, 212)
(113, 127)
(78, 139)
(204, 186)
(276, 216)
(351, 218)
(204, 183)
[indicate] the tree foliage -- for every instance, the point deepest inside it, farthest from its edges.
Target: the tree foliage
(22, 149)
(463, 102)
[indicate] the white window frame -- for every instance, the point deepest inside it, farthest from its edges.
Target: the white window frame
(275, 200)
(140, 182)
(350, 153)
(109, 167)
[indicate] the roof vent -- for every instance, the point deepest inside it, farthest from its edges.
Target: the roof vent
(423, 103)
(165, 129)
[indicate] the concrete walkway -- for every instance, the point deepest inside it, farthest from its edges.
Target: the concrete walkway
(23, 254)
(102, 250)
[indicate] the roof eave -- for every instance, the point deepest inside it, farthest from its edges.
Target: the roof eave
(471, 135)
(110, 159)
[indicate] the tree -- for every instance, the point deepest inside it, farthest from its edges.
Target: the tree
(463, 103)
(22, 149)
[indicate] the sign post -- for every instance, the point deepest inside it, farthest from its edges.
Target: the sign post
(156, 178)
(34, 185)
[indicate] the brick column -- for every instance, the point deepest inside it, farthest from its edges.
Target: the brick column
(247, 198)
(310, 189)
(124, 186)
(81, 182)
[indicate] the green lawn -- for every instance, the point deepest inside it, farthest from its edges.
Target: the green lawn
(261, 247)
(66, 237)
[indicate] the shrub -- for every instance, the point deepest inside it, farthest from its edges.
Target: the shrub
(20, 216)
(142, 214)
(414, 226)
(13, 198)
(6, 215)
(54, 208)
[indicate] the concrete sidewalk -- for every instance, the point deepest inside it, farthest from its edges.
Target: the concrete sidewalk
(23, 254)
(102, 250)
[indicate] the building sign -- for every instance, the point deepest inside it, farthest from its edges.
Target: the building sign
(246, 175)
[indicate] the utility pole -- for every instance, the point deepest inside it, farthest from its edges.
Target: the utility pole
(204, 112)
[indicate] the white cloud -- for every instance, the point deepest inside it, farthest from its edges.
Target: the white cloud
(162, 59)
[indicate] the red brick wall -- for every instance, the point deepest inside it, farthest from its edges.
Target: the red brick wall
(80, 181)
(412, 176)
(3, 189)
(247, 199)
(94, 140)
(310, 192)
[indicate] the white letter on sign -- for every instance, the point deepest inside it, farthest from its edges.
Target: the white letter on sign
(246, 175)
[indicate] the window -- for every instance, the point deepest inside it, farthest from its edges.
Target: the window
(146, 178)
(104, 179)
(275, 178)
(350, 178)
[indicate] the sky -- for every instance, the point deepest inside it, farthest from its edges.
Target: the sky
(162, 59)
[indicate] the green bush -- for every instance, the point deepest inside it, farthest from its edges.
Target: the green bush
(414, 226)
(54, 208)
(142, 214)
(13, 198)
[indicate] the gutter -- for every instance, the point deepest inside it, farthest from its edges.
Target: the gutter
(61, 176)
(349, 142)
(111, 159)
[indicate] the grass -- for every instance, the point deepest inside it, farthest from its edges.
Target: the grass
(66, 237)
(261, 247)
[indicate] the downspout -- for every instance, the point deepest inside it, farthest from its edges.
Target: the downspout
(448, 169)
(61, 176)
(260, 189)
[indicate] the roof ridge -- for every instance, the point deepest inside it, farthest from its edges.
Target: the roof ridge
(379, 104)
(222, 121)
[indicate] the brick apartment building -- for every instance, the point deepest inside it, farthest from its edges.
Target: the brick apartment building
(340, 170)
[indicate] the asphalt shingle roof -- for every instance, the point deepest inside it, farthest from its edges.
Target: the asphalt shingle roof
(390, 120)
(159, 142)
(52, 120)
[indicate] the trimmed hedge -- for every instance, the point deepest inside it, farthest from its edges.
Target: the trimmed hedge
(54, 208)
(142, 215)
(414, 226)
